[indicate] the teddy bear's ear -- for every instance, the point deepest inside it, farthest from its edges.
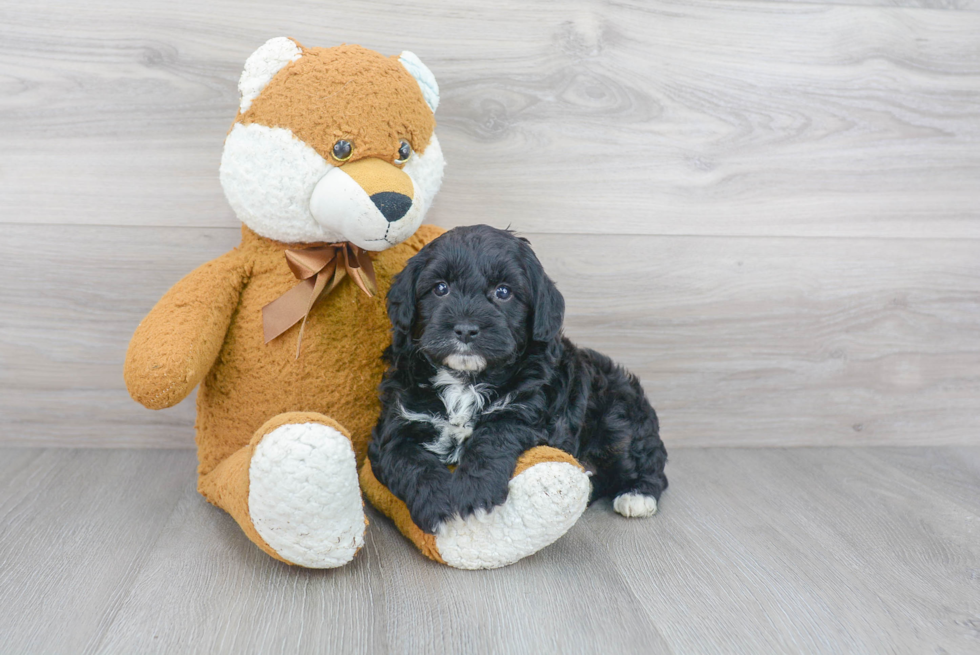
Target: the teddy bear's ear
(262, 65)
(425, 78)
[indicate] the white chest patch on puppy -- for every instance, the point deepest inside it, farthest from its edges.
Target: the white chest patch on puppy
(463, 402)
(461, 399)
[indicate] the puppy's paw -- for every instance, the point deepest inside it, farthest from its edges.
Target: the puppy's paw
(463, 498)
(429, 515)
(472, 495)
(635, 505)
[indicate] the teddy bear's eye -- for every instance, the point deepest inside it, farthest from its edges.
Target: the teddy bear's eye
(342, 150)
(404, 152)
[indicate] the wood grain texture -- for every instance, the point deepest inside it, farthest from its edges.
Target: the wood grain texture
(768, 210)
(785, 341)
(75, 527)
(944, 5)
(74, 297)
(822, 551)
(734, 118)
(738, 341)
(389, 599)
(759, 550)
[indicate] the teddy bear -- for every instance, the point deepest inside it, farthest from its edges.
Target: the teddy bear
(330, 165)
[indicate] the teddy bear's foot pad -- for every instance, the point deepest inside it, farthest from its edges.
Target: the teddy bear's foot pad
(304, 499)
(543, 503)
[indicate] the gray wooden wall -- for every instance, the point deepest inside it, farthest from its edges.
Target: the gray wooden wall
(769, 210)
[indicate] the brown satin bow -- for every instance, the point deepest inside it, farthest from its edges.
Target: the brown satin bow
(319, 270)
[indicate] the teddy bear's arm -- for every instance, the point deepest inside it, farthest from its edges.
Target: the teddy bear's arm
(176, 344)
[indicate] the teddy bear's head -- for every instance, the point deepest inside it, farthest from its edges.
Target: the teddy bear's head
(333, 144)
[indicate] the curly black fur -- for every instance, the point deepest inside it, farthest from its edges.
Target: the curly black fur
(534, 388)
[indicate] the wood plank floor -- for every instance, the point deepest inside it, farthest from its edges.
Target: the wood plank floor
(754, 550)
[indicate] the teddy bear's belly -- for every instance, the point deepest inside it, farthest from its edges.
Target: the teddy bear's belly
(337, 371)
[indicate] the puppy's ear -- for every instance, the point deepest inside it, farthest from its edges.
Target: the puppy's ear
(401, 304)
(549, 305)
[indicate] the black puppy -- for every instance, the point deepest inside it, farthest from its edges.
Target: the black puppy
(479, 372)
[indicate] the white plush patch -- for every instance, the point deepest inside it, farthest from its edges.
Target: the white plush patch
(303, 496)
(543, 503)
(284, 190)
(464, 362)
(635, 505)
(262, 65)
(425, 78)
(426, 172)
(268, 176)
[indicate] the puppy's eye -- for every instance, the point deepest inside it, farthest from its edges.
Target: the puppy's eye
(342, 150)
(440, 289)
(502, 292)
(404, 152)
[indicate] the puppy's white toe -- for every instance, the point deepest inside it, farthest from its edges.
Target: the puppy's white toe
(634, 505)
(304, 498)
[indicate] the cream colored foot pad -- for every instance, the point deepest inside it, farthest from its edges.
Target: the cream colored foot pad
(543, 503)
(304, 498)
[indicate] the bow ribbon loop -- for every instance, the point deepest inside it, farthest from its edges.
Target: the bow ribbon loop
(319, 271)
(306, 263)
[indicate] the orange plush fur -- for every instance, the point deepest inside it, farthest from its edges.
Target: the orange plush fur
(346, 93)
(212, 319)
(208, 329)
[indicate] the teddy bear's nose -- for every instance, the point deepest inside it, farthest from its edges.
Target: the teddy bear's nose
(392, 205)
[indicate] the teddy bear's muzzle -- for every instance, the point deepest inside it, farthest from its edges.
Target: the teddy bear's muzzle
(364, 200)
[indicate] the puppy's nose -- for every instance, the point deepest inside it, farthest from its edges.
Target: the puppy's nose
(392, 205)
(466, 332)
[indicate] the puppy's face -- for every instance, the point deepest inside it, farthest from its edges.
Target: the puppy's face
(474, 298)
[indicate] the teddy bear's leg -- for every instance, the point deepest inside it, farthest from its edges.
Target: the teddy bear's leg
(294, 491)
(548, 493)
